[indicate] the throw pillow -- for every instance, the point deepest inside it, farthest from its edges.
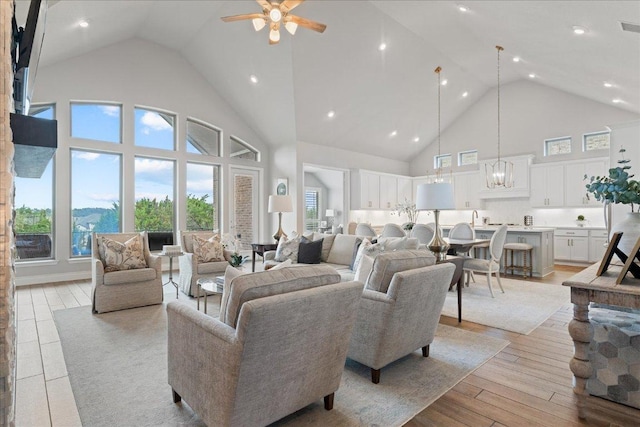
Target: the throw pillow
(229, 274)
(327, 242)
(354, 254)
(374, 250)
(210, 250)
(309, 252)
(121, 256)
(393, 243)
(287, 249)
(287, 263)
(364, 269)
(361, 250)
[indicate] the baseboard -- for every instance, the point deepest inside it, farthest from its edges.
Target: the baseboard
(52, 278)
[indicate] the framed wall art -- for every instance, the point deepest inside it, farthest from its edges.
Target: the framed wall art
(282, 186)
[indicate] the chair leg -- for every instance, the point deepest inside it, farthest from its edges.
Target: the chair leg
(472, 277)
(425, 351)
(328, 402)
(499, 282)
(489, 283)
(375, 376)
(176, 397)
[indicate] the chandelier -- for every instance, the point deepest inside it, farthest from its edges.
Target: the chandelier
(500, 173)
(440, 173)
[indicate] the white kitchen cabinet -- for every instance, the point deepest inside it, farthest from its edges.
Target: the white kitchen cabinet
(547, 185)
(520, 188)
(571, 245)
(597, 244)
(466, 187)
(365, 190)
(388, 192)
(575, 184)
(405, 189)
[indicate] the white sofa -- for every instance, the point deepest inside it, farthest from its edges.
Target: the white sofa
(338, 250)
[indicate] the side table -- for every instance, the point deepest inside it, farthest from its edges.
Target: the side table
(171, 255)
(260, 249)
(209, 286)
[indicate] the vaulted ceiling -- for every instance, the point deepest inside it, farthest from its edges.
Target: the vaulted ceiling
(372, 92)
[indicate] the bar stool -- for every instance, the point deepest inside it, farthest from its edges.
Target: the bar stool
(527, 252)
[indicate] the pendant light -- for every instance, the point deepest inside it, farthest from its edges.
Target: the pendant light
(500, 173)
(439, 172)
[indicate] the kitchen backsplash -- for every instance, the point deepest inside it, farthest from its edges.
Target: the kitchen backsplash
(499, 211)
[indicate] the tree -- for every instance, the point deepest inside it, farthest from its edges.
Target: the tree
(30, 220)
(109, 221)
(200, 213)
(151, 215)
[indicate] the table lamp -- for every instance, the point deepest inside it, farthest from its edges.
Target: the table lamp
(436, 197)
(329, 213)
(280, 204)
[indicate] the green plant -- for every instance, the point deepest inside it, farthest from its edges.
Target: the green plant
(237, 259)
(618, 187)
(581, 218)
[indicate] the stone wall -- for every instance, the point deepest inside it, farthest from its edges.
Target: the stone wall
(7, 283)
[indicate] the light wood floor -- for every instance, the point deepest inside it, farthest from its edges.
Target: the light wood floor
(528, 383)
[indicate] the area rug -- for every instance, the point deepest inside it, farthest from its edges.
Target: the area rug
(522, 307)
(117, 364)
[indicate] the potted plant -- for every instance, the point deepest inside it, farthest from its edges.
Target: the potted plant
(237, 259)
(409, 208)
(581, 221)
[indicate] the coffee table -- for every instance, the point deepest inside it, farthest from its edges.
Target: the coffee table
(209, 286)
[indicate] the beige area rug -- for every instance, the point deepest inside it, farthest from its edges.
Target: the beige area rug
(117, 364)
(523, 307)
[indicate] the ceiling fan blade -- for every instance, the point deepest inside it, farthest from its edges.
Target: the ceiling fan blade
(272, 42)
(242, 17)
(264, 4)
(289, 5)
(307, 23)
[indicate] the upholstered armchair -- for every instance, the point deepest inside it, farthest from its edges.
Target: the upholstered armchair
(280, 344)
(400, 308)
(117, 287)
(191, 269)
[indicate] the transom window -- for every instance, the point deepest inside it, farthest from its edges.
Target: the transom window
(555, 146)
(468, 157)
(442, 161)
(241, 150)
(203, 138)
(154, 129)
(97, 121)
(596, 141)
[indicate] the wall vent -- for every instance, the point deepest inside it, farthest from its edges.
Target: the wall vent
(628, 26)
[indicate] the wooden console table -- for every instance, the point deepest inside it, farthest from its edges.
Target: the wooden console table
(586, 287)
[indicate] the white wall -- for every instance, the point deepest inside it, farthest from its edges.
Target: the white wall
(135, 73)
(530, 113)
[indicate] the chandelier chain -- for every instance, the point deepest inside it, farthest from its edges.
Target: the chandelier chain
(499, 48)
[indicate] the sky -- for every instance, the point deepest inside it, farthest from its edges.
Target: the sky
(95, 176)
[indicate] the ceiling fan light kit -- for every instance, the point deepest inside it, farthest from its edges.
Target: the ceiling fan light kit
(274, 13)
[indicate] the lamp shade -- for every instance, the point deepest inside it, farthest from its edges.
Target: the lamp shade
(329, 213)
(280, 204)
(435, 196)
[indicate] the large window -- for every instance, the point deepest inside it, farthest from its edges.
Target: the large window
(595, 141)
(154, 129)
(95, 197)
(203, 205)
(311, 208)
(242, 150)
(100, 122)
(154, 191)
(202, 138)
(555, 146)
(33, 222)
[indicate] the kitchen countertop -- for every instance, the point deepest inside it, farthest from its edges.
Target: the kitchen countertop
(523, 229)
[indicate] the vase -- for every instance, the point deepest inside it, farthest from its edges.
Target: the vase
(630, 228)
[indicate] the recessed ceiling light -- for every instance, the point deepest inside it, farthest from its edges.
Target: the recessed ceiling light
(253, 79)
(83, 24)
(617, 101)
(579, 30)
(463, 8)
(416, 139)
(394, 133)
(465, 94)
(382, 47)
(607, 84)
(516, 59)
(532, 76)
(444, 82)
(331, 114)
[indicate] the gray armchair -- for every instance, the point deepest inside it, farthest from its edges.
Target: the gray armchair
(400, 308)
(191, 269)
(119, 290)
(280, 345)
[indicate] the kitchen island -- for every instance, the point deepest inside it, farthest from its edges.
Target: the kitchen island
(541, 238)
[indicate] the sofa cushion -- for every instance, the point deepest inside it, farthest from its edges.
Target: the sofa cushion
(387, 264)
(212, 267)
(130, 276)
(273, 282)
(364, 269)
(342, 249)
(309, 252)
(327, 242)
(208, 250)
(118, 256)
(287, 249)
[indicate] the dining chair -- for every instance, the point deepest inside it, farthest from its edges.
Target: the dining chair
(364, 229)
(463, 231)
(392, 230)
(492, 265)
(423, 233)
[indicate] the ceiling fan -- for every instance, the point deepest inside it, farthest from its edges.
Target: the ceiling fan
(276, 13)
